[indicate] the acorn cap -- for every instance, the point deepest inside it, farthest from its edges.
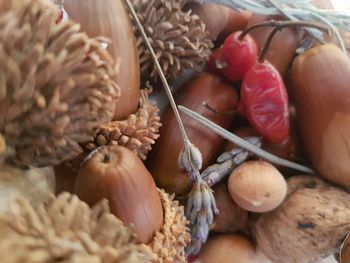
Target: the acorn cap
(55, 84)
(170, 241)
(137, 133)
(65, 228)
(178, 38)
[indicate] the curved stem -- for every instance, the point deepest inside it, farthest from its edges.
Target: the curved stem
(207, 105)
(267, 45)
(282, 24)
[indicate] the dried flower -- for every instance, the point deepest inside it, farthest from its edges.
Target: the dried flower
(170, 241)
(200, 209)
(55, 84)
(190, 159)
(179, 39)
(65, 229)
(227, 161)
(138, 132)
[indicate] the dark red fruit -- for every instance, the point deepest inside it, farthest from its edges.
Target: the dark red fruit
(264, 102)
(238, 56)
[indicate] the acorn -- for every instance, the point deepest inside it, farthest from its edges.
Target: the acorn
(257, 186)
(163, 162)
(231, 217)
(227, 249)
(117, 174)
(110, 19)
(320, 91)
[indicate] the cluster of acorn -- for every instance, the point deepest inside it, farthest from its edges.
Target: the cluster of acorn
(69, 104)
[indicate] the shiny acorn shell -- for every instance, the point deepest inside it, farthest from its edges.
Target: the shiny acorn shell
(321, 93)
(163, 163)
(110, 19)
(117, 174)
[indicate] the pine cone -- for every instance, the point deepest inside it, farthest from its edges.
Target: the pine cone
(138, 132)
(169, 243)
(179, 39)
(67, 230)
(55, 84)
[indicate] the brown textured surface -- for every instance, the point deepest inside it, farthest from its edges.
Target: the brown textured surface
(179, 39)
(138, 132)
(55, 85)
(65, 229)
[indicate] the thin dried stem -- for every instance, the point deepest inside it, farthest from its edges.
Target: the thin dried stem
(243, 144)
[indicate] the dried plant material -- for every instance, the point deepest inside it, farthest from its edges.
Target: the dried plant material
(227, 162)
(65, 229)
(178, 38)
(344, 254)
(138, 132)
(55, 84)
(169, 243)
(308, 226)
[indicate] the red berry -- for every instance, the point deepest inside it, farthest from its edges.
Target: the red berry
(214, 64)
(264, 101)
(239, 55)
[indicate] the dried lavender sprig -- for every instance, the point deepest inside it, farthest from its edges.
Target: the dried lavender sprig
(228, 161)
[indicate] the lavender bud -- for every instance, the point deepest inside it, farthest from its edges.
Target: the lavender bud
(224, 157)
(190, 159)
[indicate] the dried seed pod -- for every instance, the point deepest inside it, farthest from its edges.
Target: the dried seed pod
(257, 186)
(65, 228)
(178, 38)
(309, 225)
(138, 132)
(117, 174)
(170, 241)
(55, 84)
(163, 163)
(113, 22)
(320, 92)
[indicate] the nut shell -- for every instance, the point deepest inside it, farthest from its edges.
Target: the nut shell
(320, 91)
(111, 20)
(117, 174)
(257, 186)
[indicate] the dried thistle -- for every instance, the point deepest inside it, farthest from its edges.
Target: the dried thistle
(65, 229)
(170, 241)
(228, 161)
(178, 38)
(138, 132)
(55, 84)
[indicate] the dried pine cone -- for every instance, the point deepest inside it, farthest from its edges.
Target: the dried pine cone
(138, 132)
(178, 38)
(55, 84)
(67, 230)
(169, 243)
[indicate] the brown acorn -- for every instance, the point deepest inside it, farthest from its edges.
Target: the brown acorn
(110, 19)
(320, 91)
(163, 162)
(231, 217)
(117, 174)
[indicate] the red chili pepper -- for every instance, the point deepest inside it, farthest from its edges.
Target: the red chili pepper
(264, 102)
